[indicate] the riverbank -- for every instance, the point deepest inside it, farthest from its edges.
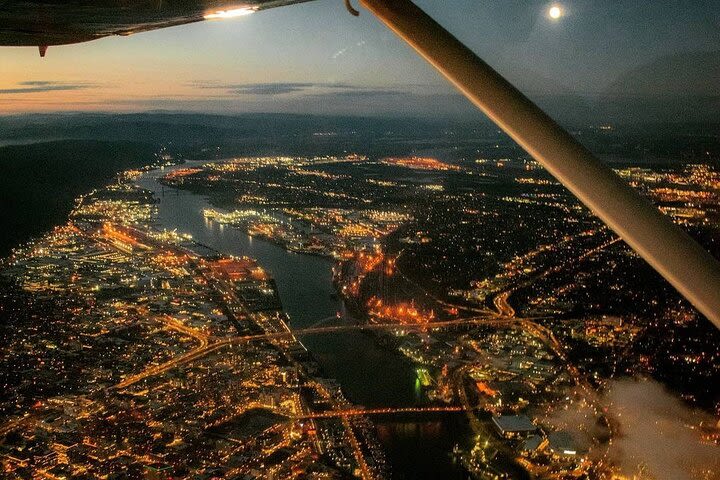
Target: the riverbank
(369, 374)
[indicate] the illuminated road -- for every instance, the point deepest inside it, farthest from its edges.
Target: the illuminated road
(10, 426)
(320, 388)
(178, 326)
(501, 304)
(357, 451)
(501, 300)
(475, 424)
(164, 367)
(505, 317)
(233, 341)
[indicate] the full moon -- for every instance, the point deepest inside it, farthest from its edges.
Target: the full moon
(555, 12)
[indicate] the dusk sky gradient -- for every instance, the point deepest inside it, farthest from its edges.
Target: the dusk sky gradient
(316, 58)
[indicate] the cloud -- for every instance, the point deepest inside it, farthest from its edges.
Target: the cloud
(272, 88)
(267, 88)
(312, 90)
(38, 86)
(659, 434)
(278, 88)
(369, 92)
(656, 435)
(325, 98)
(316, 98)
(38, 83)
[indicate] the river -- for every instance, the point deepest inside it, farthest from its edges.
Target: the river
(370, 375)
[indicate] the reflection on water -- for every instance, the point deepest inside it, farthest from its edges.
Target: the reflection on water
(369, 374)
(421, 449)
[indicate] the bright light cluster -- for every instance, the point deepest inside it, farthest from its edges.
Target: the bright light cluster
(235, 12)
(555, 12)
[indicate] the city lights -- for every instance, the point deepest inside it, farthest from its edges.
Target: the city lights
(179, 343)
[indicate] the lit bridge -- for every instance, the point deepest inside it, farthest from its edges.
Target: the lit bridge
(378, 411)
(203, 350)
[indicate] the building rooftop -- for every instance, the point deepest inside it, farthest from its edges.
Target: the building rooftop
(532, 443)
(514, 424)
(562, 443)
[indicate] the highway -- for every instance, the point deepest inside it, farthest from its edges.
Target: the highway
(505, 317)
(501, 304)
(233, 341)
(178, 326)
(501, 300)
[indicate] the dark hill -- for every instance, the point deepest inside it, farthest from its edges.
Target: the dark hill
(40, 181)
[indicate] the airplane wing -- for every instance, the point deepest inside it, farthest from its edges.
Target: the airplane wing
(58, 22)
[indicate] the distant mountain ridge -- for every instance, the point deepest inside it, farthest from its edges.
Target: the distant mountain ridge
(685, 75)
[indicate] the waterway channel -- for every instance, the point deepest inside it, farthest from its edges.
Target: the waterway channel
(418, 447)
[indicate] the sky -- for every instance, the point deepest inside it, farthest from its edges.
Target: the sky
(316, 58)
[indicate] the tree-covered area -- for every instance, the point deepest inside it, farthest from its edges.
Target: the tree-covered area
(40, 181)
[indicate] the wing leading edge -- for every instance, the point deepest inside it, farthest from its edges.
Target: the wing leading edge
(61, 22)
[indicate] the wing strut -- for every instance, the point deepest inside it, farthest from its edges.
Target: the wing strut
(664, 245)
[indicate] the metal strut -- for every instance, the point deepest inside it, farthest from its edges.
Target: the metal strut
(664, 245)
(351, 9)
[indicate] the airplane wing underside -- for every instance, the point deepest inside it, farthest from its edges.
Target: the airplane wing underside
(60, 22)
